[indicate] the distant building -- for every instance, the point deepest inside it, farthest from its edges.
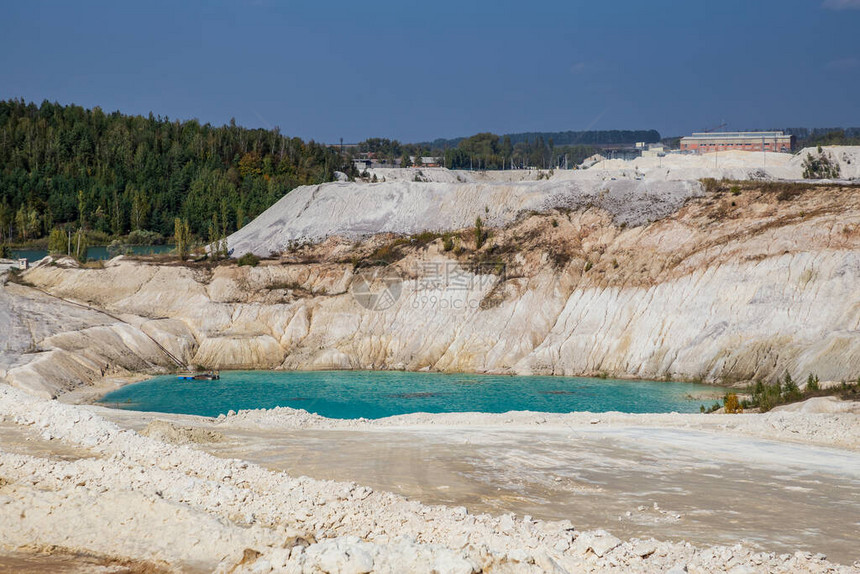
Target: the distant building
(619, 151)
(427, 161)
(370, 162)
(743, 141)
(7, 264)
(653, 150)
(362, 164)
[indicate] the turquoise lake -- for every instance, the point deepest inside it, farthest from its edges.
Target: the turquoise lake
(96, 252)
(377, 394)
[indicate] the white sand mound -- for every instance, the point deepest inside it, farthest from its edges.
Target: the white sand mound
(408, 201)
(848, 158)
(728, 164)
(425, 174)
(821, 405)
(740, 165)
(354, 210)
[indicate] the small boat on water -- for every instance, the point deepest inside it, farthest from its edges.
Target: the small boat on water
(207, 376)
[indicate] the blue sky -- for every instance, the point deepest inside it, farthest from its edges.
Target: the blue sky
(421, 70)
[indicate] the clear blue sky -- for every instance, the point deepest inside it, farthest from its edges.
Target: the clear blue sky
(444, 68)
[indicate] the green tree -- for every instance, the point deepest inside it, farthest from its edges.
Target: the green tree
(82, 208)
(6, 219)
(217, 239)
(240, 217)
(139, 207)
(80, 245)
(28, 222)
(181, 237)
(58, 242)
(21, 222)
(480, 236)
(507, 149)
(117, 215)
(790, 389)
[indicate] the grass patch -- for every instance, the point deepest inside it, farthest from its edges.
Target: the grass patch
(394, 250)
(248, 259)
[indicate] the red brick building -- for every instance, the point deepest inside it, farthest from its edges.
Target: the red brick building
(744, 141)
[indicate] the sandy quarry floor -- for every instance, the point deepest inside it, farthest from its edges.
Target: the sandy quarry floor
(793, 497)
(86, 488)
(630, 474)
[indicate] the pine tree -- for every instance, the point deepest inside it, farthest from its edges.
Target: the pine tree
(182, 237)
(479, 233)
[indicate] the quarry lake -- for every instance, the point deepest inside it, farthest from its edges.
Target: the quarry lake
(95, 252)
(377, 394)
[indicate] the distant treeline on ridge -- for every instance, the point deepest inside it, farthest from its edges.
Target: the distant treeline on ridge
(66, 169)
(108, 173)
(524, 150)
(589, 138)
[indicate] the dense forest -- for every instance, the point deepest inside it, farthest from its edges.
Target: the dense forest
(109, 173)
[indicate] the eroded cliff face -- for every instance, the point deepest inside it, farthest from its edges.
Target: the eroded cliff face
(50, 346)
(732, 286)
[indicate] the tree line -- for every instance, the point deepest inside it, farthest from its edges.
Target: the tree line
(566, 138)
(492, 151)
(110, 173)
(812, 137)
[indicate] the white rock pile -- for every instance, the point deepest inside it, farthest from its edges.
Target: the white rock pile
(140, 498)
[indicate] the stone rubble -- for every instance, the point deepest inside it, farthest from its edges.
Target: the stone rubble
(834, 428)
(144, 499)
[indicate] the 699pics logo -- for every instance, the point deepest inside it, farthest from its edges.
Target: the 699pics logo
(377, 288)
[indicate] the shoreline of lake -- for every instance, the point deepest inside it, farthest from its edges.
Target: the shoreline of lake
(352, 394)
(94, 252)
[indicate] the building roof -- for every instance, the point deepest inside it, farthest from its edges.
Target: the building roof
(734, 135)
(427, 159)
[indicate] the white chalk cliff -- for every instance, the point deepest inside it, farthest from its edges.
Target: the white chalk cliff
(629, 277)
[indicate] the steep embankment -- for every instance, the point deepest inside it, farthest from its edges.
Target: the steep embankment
(736, 284)
(414, 200)
(356, 211)
(51, 345)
